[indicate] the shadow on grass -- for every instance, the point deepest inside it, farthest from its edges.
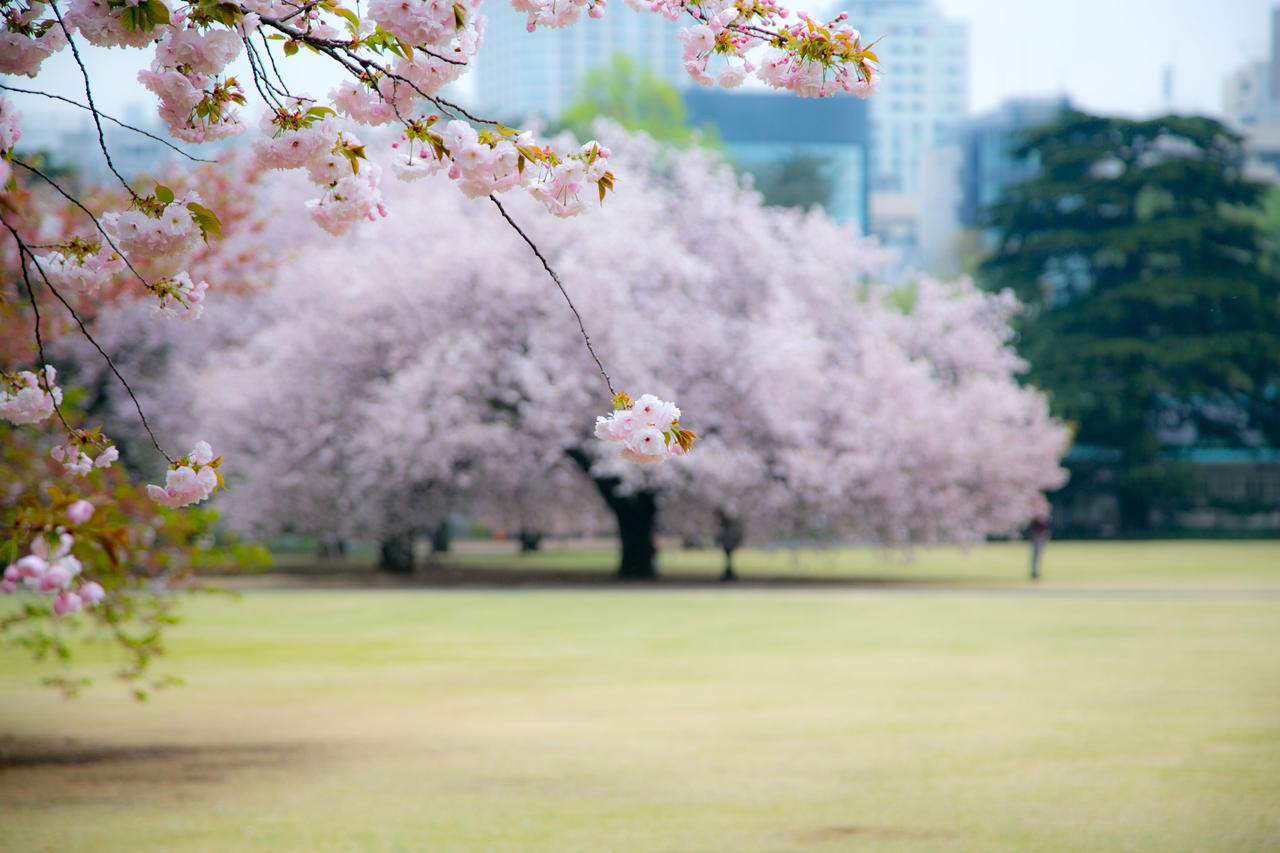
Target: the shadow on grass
(446, 576)
(33, 770)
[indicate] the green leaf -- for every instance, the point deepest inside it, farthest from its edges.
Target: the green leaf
(206, 219)
(163, 193)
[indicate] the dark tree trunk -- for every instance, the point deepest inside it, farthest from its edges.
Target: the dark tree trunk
(441, 537)
(530, 540)
(331, 548)
(637, 516)
(729, 536)
(396, 553)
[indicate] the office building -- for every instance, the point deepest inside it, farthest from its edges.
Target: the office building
(762, 131)
(520, 74)
(924, 91)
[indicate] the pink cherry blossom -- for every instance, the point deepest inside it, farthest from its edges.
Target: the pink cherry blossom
(91, 593)
(80, 512)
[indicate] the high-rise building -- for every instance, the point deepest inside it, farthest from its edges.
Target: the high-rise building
(1251, 95)
(519, 74)
(924, 90)
(960, 179)
(1251, 103)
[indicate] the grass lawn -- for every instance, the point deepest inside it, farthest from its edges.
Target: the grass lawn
(1195, 564)
(1074, 716)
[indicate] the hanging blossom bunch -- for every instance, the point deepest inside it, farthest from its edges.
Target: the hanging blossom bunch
(85, 451)
(51, 568)
(191, 478)
(646, 430)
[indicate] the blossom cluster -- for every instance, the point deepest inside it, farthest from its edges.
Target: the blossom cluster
(108, 24)
(557, 13)
(810, 58)
(27, 397)
(646, 430)
(163, 232)
(433, 24)
(10, 131)
(310, 138)
(81, 265)
(488, 161)
(191, 479)
(27, 38)
(815, 61)
(195, 104)
(74, 455)
(51, 568)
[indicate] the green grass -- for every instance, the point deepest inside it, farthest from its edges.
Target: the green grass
(1190, 563)
(1076, 717)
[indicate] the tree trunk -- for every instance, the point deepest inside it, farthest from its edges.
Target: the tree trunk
(441, 537)
(331, 548)
(637, 516)
(395, 554)
(729, 535)
(530, 540)
(728, 575)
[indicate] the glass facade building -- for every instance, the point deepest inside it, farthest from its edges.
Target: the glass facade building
(762, 130)
(520, 74)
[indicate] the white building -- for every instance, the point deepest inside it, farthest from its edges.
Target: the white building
(1251, 96)
(1251, 104)
(923, 96)
(519, 74)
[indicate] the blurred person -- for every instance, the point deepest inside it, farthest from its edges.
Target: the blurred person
(1039, 535)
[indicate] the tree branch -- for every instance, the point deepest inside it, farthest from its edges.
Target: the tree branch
(23, 249)
(88, 91)
(108, 118)
(546, 266)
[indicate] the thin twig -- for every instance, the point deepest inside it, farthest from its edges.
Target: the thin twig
(260, 77)
(109, 118)
(546, 266)
(271, 57)
(23, 249)
(88, 92)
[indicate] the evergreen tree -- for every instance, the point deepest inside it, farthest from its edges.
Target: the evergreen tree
(1154, 311)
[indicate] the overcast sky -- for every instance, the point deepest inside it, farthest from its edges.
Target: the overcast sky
(1108, 55)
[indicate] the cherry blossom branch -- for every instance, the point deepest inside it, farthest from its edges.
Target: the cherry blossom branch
(35, 309)
(556, 278)
(24, 249)
(110, 118)
(88, 92)
(361, 66)
(51, 182)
